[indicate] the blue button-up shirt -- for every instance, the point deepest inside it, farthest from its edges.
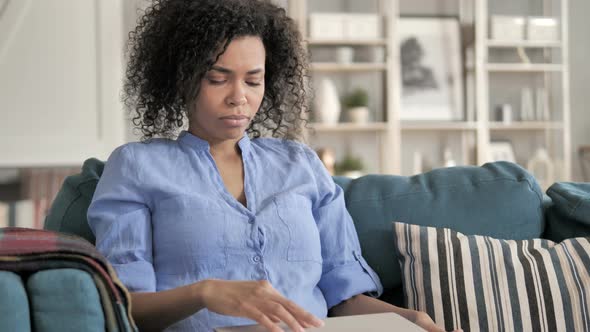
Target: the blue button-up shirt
(163, 218)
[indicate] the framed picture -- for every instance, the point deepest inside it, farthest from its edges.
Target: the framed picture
(501, 151)
(431, 74)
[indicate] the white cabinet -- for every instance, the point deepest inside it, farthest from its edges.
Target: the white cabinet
(61, 66)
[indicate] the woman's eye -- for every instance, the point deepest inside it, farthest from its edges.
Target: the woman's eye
(216, 82)
(253, 83)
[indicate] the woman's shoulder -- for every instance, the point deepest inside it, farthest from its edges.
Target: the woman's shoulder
(283, 147)
(140, 151)
(152, 146)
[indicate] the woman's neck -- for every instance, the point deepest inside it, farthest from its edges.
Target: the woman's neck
(227, 148)
(224, 149)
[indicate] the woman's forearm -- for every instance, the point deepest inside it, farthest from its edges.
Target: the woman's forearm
(256, 300)
(158, 310)
(362, 304)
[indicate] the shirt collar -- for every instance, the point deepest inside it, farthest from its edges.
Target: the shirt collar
(244, 144)
(200, 144)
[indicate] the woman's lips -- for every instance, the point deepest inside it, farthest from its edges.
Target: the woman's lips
(235, 120)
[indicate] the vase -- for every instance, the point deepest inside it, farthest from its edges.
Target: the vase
(353, 174)
(358, 114)
(327, 102)
(542, 105)
(417, 163)
(541, 166)
(527, 111)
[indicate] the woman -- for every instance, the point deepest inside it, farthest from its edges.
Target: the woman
(220, 226)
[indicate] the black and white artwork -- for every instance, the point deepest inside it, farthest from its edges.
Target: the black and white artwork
(431, 76)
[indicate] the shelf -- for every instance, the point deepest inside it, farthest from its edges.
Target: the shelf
(495, 60)
(438, 125)
(340, 42)
(349, 127)
(523, 67)
(523, 43)
(353, 67)
(528, 125)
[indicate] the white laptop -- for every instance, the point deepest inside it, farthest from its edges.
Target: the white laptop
(365, 323)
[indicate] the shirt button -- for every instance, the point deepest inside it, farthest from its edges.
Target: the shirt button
(251, 220)
(256, 259)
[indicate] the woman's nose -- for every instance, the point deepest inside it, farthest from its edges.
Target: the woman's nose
(237, 95)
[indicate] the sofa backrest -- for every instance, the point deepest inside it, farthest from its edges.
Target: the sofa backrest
(498, 199)
(568, 215)
(68, 210)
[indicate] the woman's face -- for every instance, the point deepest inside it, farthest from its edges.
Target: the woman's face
(231, 92)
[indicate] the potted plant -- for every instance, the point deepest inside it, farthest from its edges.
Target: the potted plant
(357, 103)
(350, 166)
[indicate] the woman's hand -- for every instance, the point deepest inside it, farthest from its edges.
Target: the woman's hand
(424, 321)
(256, 300)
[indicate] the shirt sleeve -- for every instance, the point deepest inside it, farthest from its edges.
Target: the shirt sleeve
(120, 218)
(345, 273)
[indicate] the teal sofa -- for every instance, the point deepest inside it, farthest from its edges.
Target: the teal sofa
(499, 199)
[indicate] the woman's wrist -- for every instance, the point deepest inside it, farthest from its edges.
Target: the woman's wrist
(200, 291)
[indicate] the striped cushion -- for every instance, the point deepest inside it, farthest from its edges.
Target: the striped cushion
(479, 283)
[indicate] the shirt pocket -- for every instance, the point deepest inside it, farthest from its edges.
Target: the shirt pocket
(188, 235)
(295, 212)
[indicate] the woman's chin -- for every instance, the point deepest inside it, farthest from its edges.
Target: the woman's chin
(234, 133)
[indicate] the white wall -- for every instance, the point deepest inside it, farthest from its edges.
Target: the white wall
(60, 72)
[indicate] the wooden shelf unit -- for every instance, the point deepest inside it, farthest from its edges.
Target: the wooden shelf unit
(477, 129)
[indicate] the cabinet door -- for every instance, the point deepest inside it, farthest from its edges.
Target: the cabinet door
(61, 65)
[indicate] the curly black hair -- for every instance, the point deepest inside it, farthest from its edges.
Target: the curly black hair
(177, 41)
